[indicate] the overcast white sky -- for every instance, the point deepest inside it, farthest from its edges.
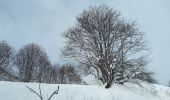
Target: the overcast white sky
(43, 22)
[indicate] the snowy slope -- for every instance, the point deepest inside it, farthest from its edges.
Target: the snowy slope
(129, 91)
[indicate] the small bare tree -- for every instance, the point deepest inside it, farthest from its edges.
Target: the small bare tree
(65, 74)
(52, 76)
(68, 74)
(110, 47)
(32, 62)
(40, 92)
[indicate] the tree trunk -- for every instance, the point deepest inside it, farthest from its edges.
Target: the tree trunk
(108, 85)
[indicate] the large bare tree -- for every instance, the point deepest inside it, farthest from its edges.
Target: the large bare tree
(6, 55)
(112, 48)
(32, 62)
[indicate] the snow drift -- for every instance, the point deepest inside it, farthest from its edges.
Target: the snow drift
(128, 91)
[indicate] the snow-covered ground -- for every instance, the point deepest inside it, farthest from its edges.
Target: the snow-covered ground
(129, 91)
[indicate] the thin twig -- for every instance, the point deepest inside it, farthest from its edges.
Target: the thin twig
(40, 92)
(55, 92)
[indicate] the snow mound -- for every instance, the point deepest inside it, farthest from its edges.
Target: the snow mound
(128, 91)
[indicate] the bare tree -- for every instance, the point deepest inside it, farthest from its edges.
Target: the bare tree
(68, 74)
(169, 83)
(111, 48)
(52, 74)
(32, 62)
(64, 74)
(6, 54)
(40, 92)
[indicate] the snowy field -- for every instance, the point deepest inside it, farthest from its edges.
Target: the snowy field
(129, 91)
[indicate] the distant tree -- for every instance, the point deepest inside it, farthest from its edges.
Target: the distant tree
(6, 54)
(111, 48)
(52, 74)
(64, 74)
(68, 74)
(32, 62)
(169, 83)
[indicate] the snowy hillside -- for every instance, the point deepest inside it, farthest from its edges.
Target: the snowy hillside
(18, 91)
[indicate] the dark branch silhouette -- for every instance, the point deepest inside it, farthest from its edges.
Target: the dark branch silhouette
(40, 92)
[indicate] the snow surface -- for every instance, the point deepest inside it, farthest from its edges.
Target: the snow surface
(129, 91)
